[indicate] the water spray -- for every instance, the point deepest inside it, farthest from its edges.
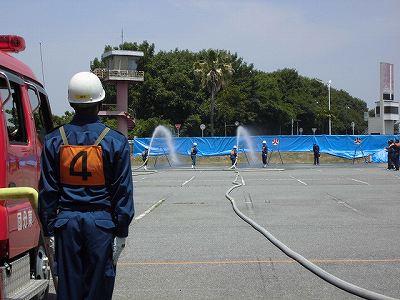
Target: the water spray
(242, 132)
(162, 130)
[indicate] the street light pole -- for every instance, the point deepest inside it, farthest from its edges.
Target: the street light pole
(292, 125)
(230, 125)
(329, 106)
(225, 128)
(329, 103)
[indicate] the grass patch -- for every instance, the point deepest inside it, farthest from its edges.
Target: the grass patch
(287, 157)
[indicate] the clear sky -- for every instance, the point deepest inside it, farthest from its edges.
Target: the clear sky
(339, 40)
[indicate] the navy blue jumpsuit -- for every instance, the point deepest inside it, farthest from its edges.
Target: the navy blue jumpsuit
(396, 154)
(85, 219)
(145, 154)
(233, 156)
(390, 151)
(316, 154)
(264, 154)
(193, 154)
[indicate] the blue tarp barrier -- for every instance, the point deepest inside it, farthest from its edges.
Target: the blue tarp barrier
(344, 146)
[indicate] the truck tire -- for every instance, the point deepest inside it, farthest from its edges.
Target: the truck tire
(41, 270)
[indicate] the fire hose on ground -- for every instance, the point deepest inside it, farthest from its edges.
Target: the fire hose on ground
(339, 283)
(142, 166)
(30, 193)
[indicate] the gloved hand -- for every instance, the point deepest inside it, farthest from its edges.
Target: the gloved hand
(49, 245)
(118, 246)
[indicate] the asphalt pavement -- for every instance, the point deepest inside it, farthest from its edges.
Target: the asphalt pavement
(186, 242)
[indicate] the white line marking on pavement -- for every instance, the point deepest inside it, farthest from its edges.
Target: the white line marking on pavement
(271, 179)
(360, 181)
(244, 183)
(341, 202)
(150, 209)
(302, 182)
(187, 181)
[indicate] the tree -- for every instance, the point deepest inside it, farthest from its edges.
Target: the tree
(213, 72)
(183, 87)
(62, 120)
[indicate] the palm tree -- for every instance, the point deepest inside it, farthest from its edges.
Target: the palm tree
(213, 72)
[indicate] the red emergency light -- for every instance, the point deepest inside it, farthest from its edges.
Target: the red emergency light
(12, 43)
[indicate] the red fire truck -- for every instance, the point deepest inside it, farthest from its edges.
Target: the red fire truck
(25, 117)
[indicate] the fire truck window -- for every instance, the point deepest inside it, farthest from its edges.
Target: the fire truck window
(33, 99)
(14, 115)
(45, 113)
(3, 89)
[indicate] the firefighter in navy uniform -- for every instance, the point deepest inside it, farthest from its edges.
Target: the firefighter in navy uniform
(145, 155)
(390, 151)
(395, 154)
(85, 195)
(264, 153)
(316, 154)
(193, 153)
(233, 156)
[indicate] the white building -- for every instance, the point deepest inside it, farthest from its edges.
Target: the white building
(390, 117)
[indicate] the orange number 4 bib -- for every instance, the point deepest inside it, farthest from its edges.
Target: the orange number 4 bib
(81, 165)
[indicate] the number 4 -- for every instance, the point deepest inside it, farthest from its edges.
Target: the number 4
(84, 173)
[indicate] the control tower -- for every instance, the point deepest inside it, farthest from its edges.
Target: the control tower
(121, 70)
(386, 108)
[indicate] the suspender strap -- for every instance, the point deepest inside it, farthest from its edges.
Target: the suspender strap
(63, 135)
(99, 139)
(101, 136)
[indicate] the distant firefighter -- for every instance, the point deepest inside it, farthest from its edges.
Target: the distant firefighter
(396, 154)
(390, 151)
(193, 153)
(145, 155)
(264, 153)
(233, 155)
(393, 150)
(316, 154)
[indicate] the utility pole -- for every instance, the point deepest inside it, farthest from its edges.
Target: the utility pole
(292, 125)
(41, 60)
(225, 128)
(329, 103)
(329, 106)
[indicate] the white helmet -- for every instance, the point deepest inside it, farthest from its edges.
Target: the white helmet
(85, 88)
(194, 144)
(146, 147)
(235, 147)
(264, 142)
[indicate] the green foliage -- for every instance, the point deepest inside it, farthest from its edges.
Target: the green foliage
(213, 69)
(147, 126)
(191, 127)
(112, 123)
(265, 102)
(62, 120)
